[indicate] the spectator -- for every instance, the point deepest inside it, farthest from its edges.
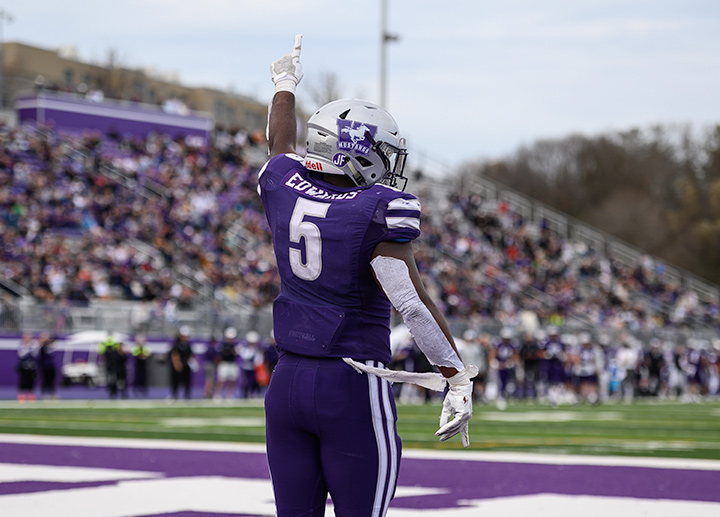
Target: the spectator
(27, 369)
(654, 363)
(586, 365)
(530, 359)
(627, 362)
(210, 367)
(122, 370)
(48, 369)
(476, 352)
(141, 353)
(115, 359)
(181, 357)
(8, 310)
(228, 368)
(250, 356)
(504, 360)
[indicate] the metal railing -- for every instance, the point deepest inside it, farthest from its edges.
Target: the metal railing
(206, 320)
(568, 227)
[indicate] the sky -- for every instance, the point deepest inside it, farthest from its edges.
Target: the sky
(467, 80)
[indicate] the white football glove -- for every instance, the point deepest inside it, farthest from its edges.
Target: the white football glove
(287, 71)
(458, 406)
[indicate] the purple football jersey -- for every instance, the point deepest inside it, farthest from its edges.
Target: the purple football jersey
(329, 303)
(505, 355)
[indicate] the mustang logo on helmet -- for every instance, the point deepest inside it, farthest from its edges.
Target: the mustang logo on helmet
(351, 136)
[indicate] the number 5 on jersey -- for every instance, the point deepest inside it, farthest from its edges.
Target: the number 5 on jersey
(299, 229)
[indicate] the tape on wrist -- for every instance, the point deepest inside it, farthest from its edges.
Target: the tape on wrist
(285, 85)
(463, 377)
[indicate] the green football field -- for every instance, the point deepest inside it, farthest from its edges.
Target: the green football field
(665, 429)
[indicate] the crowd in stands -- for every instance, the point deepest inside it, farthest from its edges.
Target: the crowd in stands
(91, 217)
(497, 264)
(68, 229)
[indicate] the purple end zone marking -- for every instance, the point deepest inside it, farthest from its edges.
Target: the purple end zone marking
(200, 514)
(172, 463)
(461, 479)
(27, 487)
(481, 480)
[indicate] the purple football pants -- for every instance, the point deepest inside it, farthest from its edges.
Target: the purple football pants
(330, 430)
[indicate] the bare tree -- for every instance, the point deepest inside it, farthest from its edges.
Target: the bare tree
(324, 89)
(658, 188)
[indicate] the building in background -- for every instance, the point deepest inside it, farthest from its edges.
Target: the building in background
(27, 69)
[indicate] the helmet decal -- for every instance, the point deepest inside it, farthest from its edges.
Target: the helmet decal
(322, 148)
(339, 160)
(351, 136)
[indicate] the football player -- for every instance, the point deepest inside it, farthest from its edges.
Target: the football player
(504, 358)
(553, 359)
(342, 236)
(587, 363)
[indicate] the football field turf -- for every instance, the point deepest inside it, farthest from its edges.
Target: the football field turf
(643, 428)
(101, 458)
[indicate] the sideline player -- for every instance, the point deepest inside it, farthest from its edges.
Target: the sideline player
(342, 237)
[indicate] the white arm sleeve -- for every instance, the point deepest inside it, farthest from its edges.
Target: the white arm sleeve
(394, 278)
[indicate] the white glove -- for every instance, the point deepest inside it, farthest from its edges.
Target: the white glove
(287, 71)
(458, 406)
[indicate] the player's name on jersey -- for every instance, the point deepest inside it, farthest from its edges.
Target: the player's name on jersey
(296, 182)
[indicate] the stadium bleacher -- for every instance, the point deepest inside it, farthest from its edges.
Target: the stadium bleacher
(115, 231)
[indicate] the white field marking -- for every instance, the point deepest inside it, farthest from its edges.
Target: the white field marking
(133, 443)
(129, 404)
(654, 445)
(619, 447)
(606, 445)
(208, 422)
(555, 505)
(13, 473)
(485, 456)
(214, 494)
(567, 459)
(550, 416)
(209, 494)
(145, 426)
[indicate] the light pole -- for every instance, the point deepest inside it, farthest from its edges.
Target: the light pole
(4, 16)
(385, 38)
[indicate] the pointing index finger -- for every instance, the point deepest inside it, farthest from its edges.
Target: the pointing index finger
(297, 45)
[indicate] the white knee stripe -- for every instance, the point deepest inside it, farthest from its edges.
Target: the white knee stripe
(390, 425)
(383, 424)
(380, 441)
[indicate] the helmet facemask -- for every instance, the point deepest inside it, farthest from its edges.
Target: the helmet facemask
(393, 158)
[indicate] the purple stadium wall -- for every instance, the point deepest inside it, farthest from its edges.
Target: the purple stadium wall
(75, 114)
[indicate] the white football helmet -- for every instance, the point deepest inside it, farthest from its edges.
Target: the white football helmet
(359, 139)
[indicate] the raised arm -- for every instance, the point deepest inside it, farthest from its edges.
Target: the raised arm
(286, 73)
